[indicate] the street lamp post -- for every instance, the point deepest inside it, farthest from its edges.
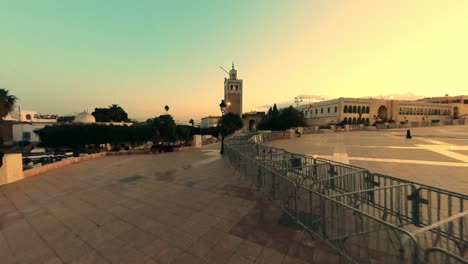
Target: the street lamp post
(222, 106)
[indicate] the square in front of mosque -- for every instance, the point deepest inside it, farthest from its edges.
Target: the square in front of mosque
(436, 156)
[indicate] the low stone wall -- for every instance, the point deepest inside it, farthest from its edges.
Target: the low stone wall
(67, 162)
(124, 153)
(11, 169)
(281, 135)
(60, 164)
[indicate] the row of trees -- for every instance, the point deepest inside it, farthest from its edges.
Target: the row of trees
(159, 129)
(282, 119)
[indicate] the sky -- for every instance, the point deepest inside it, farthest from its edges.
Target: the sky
(63, 56)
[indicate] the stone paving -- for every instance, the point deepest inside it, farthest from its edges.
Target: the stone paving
(436, 156)
(166, 208)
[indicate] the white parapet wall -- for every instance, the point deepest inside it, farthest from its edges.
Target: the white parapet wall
(11, 169)
(197, 141)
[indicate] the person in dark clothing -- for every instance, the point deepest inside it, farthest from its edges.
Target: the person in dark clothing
(154, 148)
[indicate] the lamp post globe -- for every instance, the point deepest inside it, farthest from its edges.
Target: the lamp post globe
(222, 107)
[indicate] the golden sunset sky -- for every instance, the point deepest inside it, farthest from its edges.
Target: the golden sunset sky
(65, 57)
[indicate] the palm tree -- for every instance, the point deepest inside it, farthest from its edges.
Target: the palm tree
(115, 107)
(166, 108)
(191, 122)
(7, 101)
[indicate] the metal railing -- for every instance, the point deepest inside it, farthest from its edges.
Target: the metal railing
(367, 217)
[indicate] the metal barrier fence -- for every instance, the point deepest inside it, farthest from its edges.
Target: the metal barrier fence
(367, 217)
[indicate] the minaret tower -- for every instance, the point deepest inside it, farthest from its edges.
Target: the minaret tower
(233, 92)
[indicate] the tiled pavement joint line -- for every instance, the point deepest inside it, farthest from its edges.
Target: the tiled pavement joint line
(437, 142)
(444, 150)
(389, 147)
(339, 152)
(205, 161)
(32, 226)
(1, 232)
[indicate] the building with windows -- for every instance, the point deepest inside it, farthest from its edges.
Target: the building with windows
(26, 121)
(210, 121)
(233, 89)
(355, 111)
(32, 116)
(459, 103)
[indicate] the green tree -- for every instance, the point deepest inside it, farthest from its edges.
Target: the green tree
(117, 114)
(230, 123)
(113, 113)
(291, 117)
(77, 136)
(166, 108)
(270, 110)
(155, 128)
(183, 132)
(281, 120)
(167, 129)
(192, 122)
(7, 101)
(275, 108)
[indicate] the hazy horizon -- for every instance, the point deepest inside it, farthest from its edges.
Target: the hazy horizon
(63, 58)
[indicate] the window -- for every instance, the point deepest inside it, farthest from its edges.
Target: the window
(354, 109)
(336, 109)
(359, 109)
(345, 109)
(367, 110)
(465, 101)
(328, 109)
(232, 87)
(26, 136)
(321, 110)
(237, 87)
(28, 117)
(345, 120)
(316, 111)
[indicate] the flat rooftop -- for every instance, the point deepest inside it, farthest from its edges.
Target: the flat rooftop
(168, 208)
(436, 156)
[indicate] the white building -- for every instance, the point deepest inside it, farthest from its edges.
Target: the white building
(32, 116)
(87, 118)
(26, 121)
(355, 111)
(25, 131)
(210, 121)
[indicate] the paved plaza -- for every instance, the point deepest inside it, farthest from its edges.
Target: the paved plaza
(168, 208)
(436, 156)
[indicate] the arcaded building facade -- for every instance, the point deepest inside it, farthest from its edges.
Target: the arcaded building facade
(355, 111)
